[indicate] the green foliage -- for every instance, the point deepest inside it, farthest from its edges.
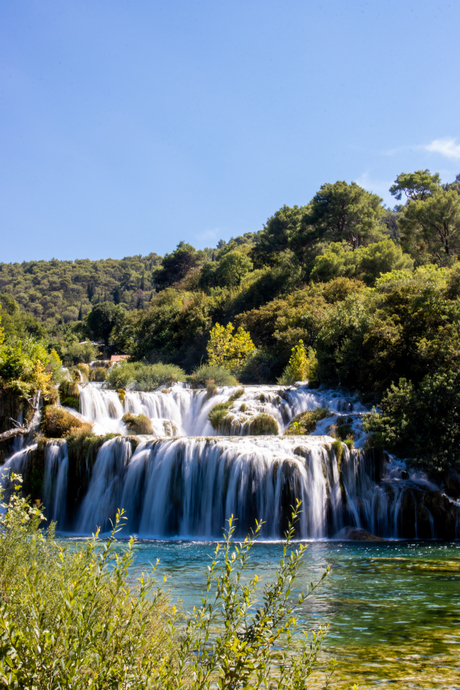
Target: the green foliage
(258, 368)
(229, 271)
(211, 372)
(56, 422)
(26, 366)
(305, 423)
(338, 450)
(430, 229)
(144, 377)
(228, 349)
(340, 212)
(277, 236)
(365, 263)
(343, 429)
(103, 318)
(59, 292)
(421, 422)
(72, 618)
(76, 353)
(263, 425)
(219, 412)
(69, 395)
(175, 328)
(418, 185)
(297, 368)
(177, 265)
(137, 424)
(407, 326)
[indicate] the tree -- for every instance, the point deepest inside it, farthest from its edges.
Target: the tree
(276, 236)
(421, 423)
(432, 226)
(418, 185)
(340, 212)
(226, 349)
(297, 368)
(365, 263)
(233, 267)
(103, 318)
(174, 267)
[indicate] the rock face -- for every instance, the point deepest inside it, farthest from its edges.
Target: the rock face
(356, 534)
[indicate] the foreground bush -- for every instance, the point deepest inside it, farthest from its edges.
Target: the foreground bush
(211, 372)
(144, 377)
(71, 618)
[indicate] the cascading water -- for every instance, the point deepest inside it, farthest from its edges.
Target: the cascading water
(187, 478)
(181, 411)
(55, 481)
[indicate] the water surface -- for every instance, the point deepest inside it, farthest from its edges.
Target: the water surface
(393, 607)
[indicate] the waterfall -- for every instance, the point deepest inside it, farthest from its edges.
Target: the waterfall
(189, 487)
(186, 479)
(104, 492)
(180, 411)
(55, 481)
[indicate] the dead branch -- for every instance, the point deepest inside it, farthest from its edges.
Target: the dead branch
(22, 429)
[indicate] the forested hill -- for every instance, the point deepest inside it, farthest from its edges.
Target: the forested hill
(64, 291)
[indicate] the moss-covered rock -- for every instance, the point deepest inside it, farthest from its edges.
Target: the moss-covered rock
(305, 423)
(137, 424)
(263, 425)
(56, 422)
(218, 414)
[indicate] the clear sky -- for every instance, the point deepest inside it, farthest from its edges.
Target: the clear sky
(127, 126)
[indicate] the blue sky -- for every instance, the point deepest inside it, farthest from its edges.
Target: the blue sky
(128, 126)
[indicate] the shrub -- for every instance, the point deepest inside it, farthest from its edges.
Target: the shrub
(343, 428)
(137, 424)
(305, 423)
(219, 411)
(97, 374)
(69, 395)
(220, 375)
(71, 617)
(57, 422)
(263, 425)
(258, 368)
(84, 369)
(144, 377)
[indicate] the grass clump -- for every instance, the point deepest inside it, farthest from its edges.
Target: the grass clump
(144, 377)
(56, 422)
(263, 425)
(211, 389)
(137, 424)
(207, 372)
(305, 423)
(69, 395)
(71, 617)
(338, 449)
(97, 374)
(343, 430)
(219, 412)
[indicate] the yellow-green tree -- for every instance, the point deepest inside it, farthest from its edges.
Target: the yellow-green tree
(297, 369)
(228, 349)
